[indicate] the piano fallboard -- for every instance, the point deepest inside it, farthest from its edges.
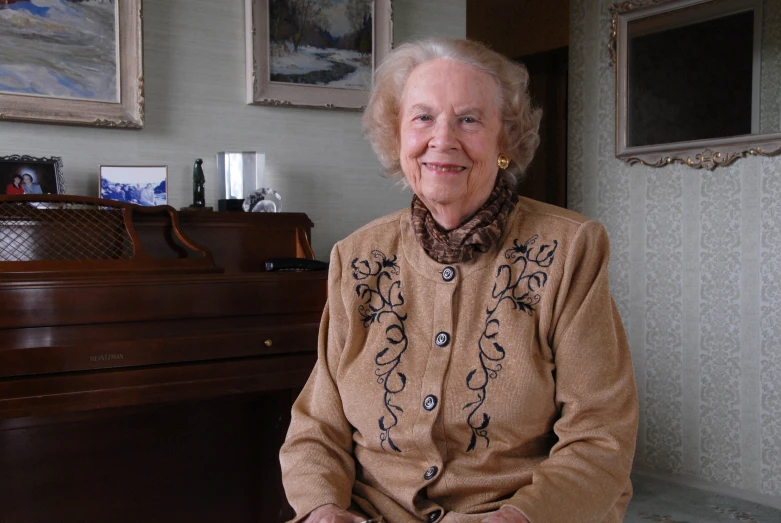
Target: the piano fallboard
(72, 348)
(53, 326)
(40, 302)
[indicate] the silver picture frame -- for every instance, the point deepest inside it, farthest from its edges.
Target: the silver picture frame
(46, 172)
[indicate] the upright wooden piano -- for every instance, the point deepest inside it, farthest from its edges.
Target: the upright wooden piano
(147, 361)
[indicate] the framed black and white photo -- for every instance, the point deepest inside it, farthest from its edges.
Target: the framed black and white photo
(145, 185)
(315, 53)
(31, 175)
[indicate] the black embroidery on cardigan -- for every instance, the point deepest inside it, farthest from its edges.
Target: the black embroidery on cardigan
(519, 284)
(382, 297)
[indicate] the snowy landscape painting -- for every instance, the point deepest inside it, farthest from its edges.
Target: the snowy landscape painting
(59, 48)
(321, 42)
(315, 53)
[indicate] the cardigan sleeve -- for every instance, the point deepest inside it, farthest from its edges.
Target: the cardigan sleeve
(588, 468)
(317, 462)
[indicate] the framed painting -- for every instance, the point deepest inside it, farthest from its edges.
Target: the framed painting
(315, 53)
(30, 175)
(145, 185)
(72, 62)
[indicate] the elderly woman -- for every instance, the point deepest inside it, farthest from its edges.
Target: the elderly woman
(472, 364)
(29, 186)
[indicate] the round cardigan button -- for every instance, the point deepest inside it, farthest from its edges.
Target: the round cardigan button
(442, 339)
(430, 472)
(433, 516)
(430, 402)
(448, 273)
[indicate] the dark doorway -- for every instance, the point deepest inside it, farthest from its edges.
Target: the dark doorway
(536, 34)
(546, 177)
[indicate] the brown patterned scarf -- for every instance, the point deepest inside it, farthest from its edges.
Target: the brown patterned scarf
(479, 233)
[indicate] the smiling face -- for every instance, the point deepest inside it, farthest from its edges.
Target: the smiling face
(449, 138)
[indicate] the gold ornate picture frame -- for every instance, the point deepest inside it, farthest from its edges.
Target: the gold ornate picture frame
(82, 64)
(703, 153)
(325, 61)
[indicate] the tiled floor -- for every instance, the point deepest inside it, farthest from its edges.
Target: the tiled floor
(657, 500)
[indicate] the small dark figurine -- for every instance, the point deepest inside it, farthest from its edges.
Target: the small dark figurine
(199, 198)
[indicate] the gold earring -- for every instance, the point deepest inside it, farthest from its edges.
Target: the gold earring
(503, 161)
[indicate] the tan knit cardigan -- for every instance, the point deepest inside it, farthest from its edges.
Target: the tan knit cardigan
(442, 393)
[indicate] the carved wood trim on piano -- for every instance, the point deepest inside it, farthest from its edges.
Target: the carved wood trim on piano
(61, 233)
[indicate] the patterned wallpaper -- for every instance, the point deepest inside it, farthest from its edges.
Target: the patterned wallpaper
(696, 273)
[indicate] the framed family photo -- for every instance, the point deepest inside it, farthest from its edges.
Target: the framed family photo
(315, 53)
(30, 175)
(145, 185)
(72, 62)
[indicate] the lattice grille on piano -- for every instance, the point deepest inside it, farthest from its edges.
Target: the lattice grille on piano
(42, 231)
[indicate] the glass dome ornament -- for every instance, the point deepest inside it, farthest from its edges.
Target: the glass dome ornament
(264, 199)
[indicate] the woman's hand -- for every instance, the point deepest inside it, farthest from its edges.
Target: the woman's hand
(332, 514)
(506, 515)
